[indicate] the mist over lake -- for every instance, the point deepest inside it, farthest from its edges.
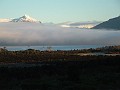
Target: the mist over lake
(50, 34)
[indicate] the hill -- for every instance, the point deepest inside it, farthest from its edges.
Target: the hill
(113, 23)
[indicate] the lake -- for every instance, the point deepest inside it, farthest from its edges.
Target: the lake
(42, 48)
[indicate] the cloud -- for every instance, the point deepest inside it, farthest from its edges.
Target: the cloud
(79, 24)
(41, 34)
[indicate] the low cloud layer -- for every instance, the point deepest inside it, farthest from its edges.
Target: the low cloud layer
(41, 34)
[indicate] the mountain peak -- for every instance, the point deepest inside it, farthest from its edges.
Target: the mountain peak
(26, 16)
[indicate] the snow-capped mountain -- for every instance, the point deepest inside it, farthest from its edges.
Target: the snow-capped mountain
(24, 18)
(79, 24)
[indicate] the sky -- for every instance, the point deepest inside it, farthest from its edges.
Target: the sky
(58, 11)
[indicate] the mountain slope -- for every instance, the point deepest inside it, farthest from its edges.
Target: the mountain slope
(113, 23)
(24, 18)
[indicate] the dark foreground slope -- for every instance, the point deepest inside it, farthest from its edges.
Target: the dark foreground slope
(113, 23)
(60, 70)
(95, 73)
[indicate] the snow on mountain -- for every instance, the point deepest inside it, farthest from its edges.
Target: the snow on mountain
(24, 18)
(79, 24)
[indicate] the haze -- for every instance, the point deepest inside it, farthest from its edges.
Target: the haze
(42, 34)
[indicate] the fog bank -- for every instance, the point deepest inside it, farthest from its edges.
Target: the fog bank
(42, 34)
